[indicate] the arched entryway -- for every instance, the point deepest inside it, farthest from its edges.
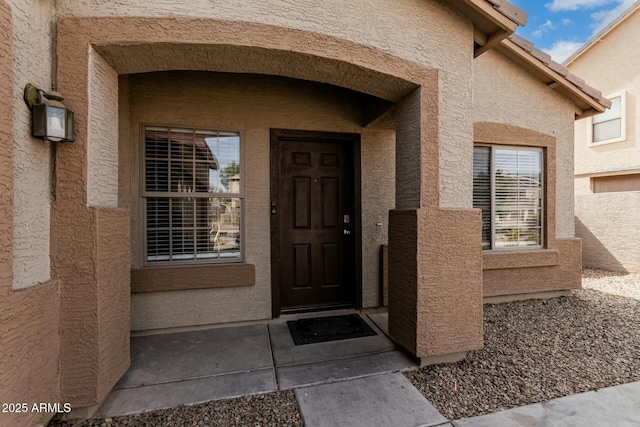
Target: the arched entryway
(91, 242)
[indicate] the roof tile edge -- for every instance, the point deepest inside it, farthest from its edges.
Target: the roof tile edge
(560, 69)
(510, 10)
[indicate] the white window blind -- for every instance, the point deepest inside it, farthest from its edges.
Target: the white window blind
(508, 188)
(192, 195)
(608, 125)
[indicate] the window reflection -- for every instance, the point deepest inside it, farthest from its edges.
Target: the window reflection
(192, 192)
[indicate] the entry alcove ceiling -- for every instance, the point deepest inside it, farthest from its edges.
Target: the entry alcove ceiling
(146, 57)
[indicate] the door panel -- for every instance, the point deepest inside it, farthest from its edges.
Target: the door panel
(315, 262)
(301, 202)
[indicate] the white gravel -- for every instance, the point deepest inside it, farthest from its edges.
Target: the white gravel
(542, 349)
(622, 284)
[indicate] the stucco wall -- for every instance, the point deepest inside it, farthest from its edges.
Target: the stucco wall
(378, 198)
(102, 144)
(608, 223)
(89, 245)
(29, 318)
(32, 38)
(251, 105)
(612, 65)
(507, 93)
(556, 270)
(436, 270)
(383, 59)
(114, 299)
(609, 226)
(433, 25)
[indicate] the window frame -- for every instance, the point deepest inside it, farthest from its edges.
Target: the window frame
(145, 195)
(543, 196)
(623, 122)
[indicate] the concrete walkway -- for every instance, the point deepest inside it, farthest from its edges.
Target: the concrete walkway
(617, 406)
(192, 367)
(354, 382)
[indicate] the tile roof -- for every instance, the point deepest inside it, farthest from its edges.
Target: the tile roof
(509, 10)
(558, 73)
(560, 69)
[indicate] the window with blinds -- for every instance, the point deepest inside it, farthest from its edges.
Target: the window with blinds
(192, 195)
(608, 125)
(508, 188)
(482, 190)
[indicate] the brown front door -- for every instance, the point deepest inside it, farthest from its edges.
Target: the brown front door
(313, 221)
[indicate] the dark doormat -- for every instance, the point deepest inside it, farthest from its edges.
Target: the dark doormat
(333, 328)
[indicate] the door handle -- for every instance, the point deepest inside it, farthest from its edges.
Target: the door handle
(346, 232)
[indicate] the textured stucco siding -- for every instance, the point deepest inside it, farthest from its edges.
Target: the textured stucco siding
(608, 223)
(32, 39)
(557, 275)
(29, 350)
(29, 318)
(251, 105)
(326, 42)
(114, 299)
(506, 93)
(435, 281)
(102, 144)
(432, 25)
(409, 162)
(612, 64)
(6, 141)
(450, 277)
(94, 308)
(582, 185)
(609, 226)
(378, 198)
(89, 245)
(435, 267)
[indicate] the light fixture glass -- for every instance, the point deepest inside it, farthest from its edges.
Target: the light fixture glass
(50, 119)
(52, 122)
(56, 122)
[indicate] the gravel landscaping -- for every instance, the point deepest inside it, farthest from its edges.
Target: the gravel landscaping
(265, 410)
(624, 285)
(534, 351)
(543, 349)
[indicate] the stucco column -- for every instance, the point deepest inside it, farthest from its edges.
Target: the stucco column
(90, 235)
(435, 264)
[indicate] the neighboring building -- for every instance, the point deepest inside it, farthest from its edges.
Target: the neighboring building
(237, 160)
(607, 148)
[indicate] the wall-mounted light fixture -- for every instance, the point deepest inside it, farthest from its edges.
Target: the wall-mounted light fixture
(49, 118)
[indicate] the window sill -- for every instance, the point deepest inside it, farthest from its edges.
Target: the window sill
(608, 141)
(190, 277)
(500, 260)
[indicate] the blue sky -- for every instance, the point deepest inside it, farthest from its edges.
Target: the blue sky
(560, 27)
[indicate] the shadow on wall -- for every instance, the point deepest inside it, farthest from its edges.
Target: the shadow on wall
(594, 252)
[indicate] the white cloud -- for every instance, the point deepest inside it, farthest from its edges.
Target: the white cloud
(603, 18)
(558, 5)
(607, 11)
(544, 28)
(562, 49)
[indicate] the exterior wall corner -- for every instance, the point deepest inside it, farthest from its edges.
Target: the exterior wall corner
(435, 281)
(29, 318)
